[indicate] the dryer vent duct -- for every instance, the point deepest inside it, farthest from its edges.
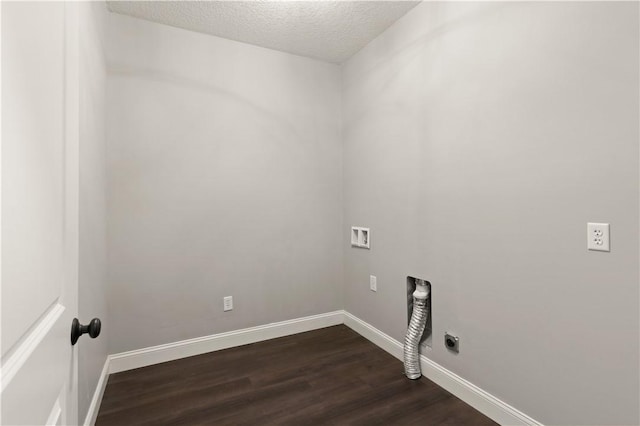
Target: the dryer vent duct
(416, 329)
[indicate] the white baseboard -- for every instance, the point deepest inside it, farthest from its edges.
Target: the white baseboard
(482, 401)
(200, 345)
(94, 407)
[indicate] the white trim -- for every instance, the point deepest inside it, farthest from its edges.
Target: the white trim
(94, 407)
(1, 209)
(479, 399)
(374, 335)
(29, 344)
(54, 416)
(200, 345)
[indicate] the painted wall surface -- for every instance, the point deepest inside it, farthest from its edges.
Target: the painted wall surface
(479, 140)
(224, 179)
(92, 289)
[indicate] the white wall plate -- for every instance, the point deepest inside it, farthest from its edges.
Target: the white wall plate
(360, 237)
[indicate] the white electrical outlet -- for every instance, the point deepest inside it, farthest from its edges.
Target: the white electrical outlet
(373, 283)
(598, 236)
(228, 303)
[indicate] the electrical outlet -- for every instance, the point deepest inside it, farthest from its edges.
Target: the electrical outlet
(452, 342)
(598, 236)
(228, 303)
(373, 283)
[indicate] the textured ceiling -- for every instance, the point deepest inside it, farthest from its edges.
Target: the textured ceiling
(331, 31)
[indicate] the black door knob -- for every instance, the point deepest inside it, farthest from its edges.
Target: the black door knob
(77, 330)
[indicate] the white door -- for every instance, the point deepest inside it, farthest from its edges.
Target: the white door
(39, 227)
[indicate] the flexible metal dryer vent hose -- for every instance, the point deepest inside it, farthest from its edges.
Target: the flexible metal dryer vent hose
(415, 330)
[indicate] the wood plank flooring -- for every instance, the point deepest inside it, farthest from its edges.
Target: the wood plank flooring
(331, 376)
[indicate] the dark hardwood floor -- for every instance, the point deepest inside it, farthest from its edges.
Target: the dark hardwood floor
(330, 376)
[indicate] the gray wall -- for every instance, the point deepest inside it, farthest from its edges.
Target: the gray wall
(224, 179)
(92, 287)
(479, 139)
